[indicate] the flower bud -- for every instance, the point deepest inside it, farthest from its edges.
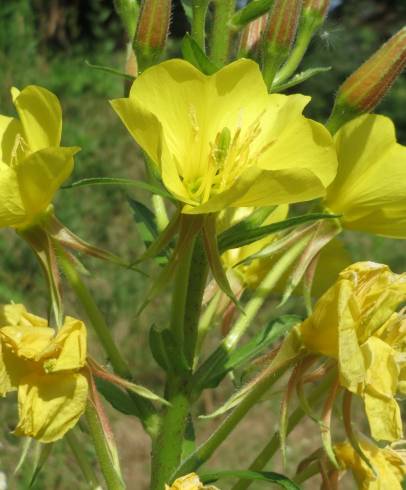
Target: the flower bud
(367, 86)
(280, 34)
(128, 11)
(152, 31)
(316, 8)
(251, 37)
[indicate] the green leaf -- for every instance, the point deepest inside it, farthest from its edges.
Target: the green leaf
(243, 233)
(193, 53)
(189, 440)
(117, 397)
(111, 71)
(166, 351)
(299, 78)
(252, 11)
(268, 476)
(120, 182)
(251, 349)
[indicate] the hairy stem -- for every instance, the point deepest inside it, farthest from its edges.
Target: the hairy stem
(220, 36)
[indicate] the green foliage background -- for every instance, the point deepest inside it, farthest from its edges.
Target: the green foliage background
(46, 42)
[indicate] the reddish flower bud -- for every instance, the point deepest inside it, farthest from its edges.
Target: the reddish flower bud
(367, 86)
(152, 31)
(279, 35)
(251, 37)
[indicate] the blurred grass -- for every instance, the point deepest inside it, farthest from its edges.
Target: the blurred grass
(101, 215)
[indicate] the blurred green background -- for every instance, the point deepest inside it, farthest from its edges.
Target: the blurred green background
(46, 42)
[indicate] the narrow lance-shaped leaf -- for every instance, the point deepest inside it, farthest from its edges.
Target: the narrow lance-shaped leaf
(250, 12)
(300, 78)
(43, 452)
(193, 53)
(267, 476)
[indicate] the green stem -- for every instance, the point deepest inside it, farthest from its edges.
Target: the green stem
(304, 37)
(271, 448)
(207, 320)
(82, 460)
(205, 451)
(199, 9)
(186, 305)
(111, 477)
(262, 292)
(119, 364)
(220, 37)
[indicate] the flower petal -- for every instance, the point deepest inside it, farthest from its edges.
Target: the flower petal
(10, 127)
(40, 115)
(50, 405)
(369, 189)
(12, 210)
(41, 174)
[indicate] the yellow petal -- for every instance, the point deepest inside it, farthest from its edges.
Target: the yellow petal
(369, 188)
(384, 418)
(40, 115)
(12, 209)
(17, 315)
(50, 405)
(9, 129)
(12, 369)
(389, 465)
(68, 349)
(26, 341)
(41, 174)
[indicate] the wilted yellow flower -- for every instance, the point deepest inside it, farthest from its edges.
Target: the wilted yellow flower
(46, 369)
(355, 322)
(369, 190)
(189, 482)
(222, 140)
(389, 465)
(33, 165)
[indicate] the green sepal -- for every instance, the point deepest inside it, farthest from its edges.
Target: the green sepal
(299, 78)
(267, 476)
(193, 53)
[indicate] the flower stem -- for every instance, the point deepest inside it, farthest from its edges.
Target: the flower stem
(220, 37)
(199, 9)
(82, 460)
(186, 305)
(119, 364)
(101, 446)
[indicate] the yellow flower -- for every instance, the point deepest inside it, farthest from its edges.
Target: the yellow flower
(46, 368)
(369, 190)
(222, 140)
(189, 482)
(250, 274)
(389, 466)
(355, 323)
(33, 165)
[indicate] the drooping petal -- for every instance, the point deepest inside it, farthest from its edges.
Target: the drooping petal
(12, 369)
(40, 115)
(12, 210)
(41, 174)
(369, 188)
(50, 405)
(26, 341)
(17, 315)
(68, 349)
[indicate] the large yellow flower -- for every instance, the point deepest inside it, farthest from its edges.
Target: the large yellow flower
(370, 187)
(33, 165)
(46, 369)
(222, 140)
(355, 322)
(389, 466)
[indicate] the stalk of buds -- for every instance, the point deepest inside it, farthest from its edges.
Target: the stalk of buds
(313, 15)
(280, 35)
(152, 31)
(251, 38)
(366, 87)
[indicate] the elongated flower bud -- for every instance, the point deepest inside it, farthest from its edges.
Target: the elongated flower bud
(152, 31)
(251, 38)
(280, 34)
(366, 87)
(316, 8)
(128, 11)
